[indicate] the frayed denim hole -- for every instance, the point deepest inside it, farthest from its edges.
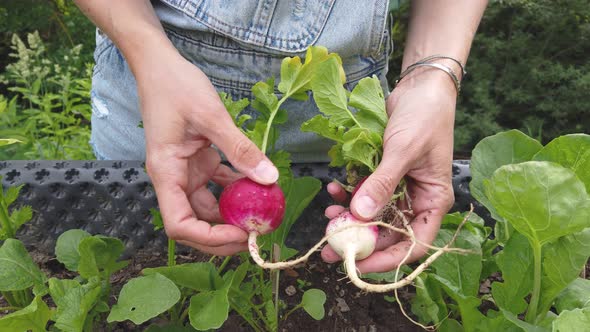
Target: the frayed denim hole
(99, 106)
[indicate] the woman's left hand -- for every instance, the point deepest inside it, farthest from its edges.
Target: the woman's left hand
(418, 144)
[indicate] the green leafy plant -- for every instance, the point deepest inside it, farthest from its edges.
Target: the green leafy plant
(538, 196)
(358, 136)
(49, 110)
(80, 302)
(11, 220)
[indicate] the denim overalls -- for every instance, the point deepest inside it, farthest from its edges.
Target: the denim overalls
(236, 44)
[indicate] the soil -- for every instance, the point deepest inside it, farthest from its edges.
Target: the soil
(347, 309)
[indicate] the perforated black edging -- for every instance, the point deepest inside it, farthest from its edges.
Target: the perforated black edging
(113, 198)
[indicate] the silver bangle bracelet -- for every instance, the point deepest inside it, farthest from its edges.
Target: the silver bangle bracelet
(444, 68)
(438, 56)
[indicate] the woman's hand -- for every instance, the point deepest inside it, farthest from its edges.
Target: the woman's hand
(418, 144)
(182, 116)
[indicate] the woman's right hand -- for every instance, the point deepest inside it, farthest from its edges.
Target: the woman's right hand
(182, 116)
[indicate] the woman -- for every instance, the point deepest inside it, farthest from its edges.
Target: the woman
(162, 62)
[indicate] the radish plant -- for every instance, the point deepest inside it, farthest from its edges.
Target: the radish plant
(539, 197)
(10, 222)
(358, 137)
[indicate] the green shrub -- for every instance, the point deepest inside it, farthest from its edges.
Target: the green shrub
(59, 22)
(49, 104)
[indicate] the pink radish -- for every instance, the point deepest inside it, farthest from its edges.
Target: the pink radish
(258, 209)
(251, 206)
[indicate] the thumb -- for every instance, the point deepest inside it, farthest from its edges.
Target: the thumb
(245, 156)
(378, 188)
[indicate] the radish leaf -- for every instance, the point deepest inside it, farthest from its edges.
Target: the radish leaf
(139, 305)
(66, 248)
(313, 303)
(33, 318)
(17, 269)
(209, 309)
(570, 151)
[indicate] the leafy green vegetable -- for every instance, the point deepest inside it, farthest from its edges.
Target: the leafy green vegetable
(209, 309)
(562, 262)
(555, 199)
(195, 276)
(358, 135)
(143, 298)
(576, 295)
(17, 269)
(570, 151)
(313, 303)
(99, 256)
(10, 222)
(33, 318)
(429, 305)
(75, 304)
(516, 264)
(542, 239)
(573, 320)
(465, 283)
(66, 248)
(509, 147)
(295, 82)
(556, 205)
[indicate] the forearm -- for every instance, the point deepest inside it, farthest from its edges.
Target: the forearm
(133, 26)
(442, 27)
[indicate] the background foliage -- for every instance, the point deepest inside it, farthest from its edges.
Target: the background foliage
(528, 70)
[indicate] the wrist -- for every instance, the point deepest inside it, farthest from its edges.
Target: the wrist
(432, 79)
(147, 51)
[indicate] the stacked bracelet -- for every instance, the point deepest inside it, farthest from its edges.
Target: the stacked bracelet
(428, 62)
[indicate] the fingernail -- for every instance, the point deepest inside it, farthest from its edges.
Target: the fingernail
(365, 206)
(266, 172)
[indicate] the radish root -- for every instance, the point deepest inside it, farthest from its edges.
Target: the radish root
(408, 232)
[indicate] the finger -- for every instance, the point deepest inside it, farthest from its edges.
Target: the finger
(202, 165)
(179, 219)
(329, 255)
(339, 195)
(225, 250)
(205, 205)
(224, 175)
(390, 258)
(386, 239)
(244, 155)
(333, 211)
(378, 188)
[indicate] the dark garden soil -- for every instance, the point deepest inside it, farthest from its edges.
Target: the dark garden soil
(347, 309)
